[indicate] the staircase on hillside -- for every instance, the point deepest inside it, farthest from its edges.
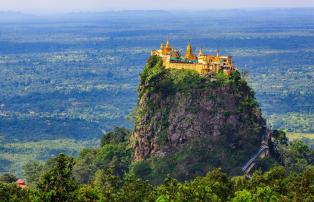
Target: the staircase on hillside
(260, 154)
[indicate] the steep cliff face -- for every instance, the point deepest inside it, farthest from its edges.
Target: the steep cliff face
(191, 123)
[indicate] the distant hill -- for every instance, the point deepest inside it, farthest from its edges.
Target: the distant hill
(9, 16)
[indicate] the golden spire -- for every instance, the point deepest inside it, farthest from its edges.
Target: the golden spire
(201, 52)
(189, 52)
(217, 51)
(167, 49)
(168, 44)
(162, 45)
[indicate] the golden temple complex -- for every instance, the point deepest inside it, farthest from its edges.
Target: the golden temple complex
(202, 63)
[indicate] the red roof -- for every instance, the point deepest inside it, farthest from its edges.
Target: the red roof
(20, 183)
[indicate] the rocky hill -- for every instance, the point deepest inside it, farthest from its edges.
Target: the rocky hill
(187, 124)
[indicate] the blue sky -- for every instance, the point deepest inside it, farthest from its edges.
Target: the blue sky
(100, 5)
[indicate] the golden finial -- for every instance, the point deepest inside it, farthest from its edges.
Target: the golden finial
(189, 52)
(162, 45)
(167, 43)
(201, 52)
(189, 47)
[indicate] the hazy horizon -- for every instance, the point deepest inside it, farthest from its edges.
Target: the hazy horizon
(43, 6)
(34, 13)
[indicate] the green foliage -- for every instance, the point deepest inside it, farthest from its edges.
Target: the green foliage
(221, 77)
(184, 80)
(87, 193)
(9, 192)
(215, 186)
(141, 168)
(85, 167)
(32, 172)
(116, 156)
(152, 73)
(58, 184)
(294, 155)
(273, 185)
(116, 136)
(114, 153)
(280, 137)
(134, 190)
(107, 184)
(243, 196)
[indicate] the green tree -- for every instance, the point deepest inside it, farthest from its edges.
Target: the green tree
(85, 167)
(107, 184)
(12, 193)
(32, 172)
(113, 153)
(58, 184)
(263, 194)
(296, 156)
(243, 196)
(87, 193)
(168, 190)
(116, 156)
(116, 136)
(280, 137)
(135, 190)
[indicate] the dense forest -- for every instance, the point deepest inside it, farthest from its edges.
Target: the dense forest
(106, 174)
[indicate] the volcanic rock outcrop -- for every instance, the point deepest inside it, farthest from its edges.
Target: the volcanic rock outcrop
(188, 123)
